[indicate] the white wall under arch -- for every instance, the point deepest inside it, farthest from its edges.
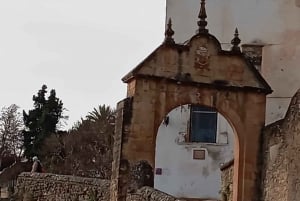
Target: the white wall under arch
(181, 175)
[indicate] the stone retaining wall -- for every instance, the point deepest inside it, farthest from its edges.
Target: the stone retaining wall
(281, 162)
(46, 187)
(49, 187)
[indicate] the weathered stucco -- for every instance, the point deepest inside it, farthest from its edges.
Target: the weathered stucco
(177, 63)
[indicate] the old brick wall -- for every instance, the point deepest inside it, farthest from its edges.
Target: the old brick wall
(281, 148)
(227, 181)
(46, 187)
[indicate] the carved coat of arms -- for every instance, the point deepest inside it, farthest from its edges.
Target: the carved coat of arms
(201, 58)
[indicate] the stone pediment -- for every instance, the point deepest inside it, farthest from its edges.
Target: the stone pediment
(200, 61)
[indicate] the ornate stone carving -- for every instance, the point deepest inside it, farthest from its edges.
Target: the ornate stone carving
(201, 58)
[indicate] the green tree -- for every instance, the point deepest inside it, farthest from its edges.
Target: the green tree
(86, 150)
(41, 121)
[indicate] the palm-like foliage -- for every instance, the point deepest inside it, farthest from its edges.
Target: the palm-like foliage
(102, 113)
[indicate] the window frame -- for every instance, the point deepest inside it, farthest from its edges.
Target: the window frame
(202, 110)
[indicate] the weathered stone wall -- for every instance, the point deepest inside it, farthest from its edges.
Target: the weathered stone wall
(46, 187)
(120, 166)
(154, 99)
(149, 194)
(49, 187)
(227, 181)
(274, 171)
(281, 148)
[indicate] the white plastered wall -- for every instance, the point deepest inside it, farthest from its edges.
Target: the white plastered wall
(181, 175)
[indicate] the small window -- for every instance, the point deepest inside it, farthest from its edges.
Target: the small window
(203, 126)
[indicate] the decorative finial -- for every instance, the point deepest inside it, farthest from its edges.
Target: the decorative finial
(169, 33)
(235, 42)
(202, 16)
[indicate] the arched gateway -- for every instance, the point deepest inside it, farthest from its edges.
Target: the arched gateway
(197, 72)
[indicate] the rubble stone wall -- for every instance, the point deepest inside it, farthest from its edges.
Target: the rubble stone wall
(149, 194)
(280, 159)
(281, 149)
(46, 187)
(49, 187)
(274, 171)
(227, 181)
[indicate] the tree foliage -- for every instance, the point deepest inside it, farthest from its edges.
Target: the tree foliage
(41, 121)
(10, 132)
(86, 150)
(100, 114)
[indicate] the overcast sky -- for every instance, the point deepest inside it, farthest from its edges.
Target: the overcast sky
(80, 48)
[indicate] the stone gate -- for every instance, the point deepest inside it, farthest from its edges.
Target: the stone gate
(196, 72)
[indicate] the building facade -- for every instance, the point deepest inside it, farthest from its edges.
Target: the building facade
(270, 27)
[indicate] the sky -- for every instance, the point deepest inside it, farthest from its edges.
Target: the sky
(80, 48)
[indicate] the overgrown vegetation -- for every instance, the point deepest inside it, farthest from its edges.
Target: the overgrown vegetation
(85, 150)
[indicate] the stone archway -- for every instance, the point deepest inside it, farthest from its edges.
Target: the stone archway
(244, 110)
(198, 72)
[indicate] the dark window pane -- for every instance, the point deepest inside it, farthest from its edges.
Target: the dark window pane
(203, 124)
